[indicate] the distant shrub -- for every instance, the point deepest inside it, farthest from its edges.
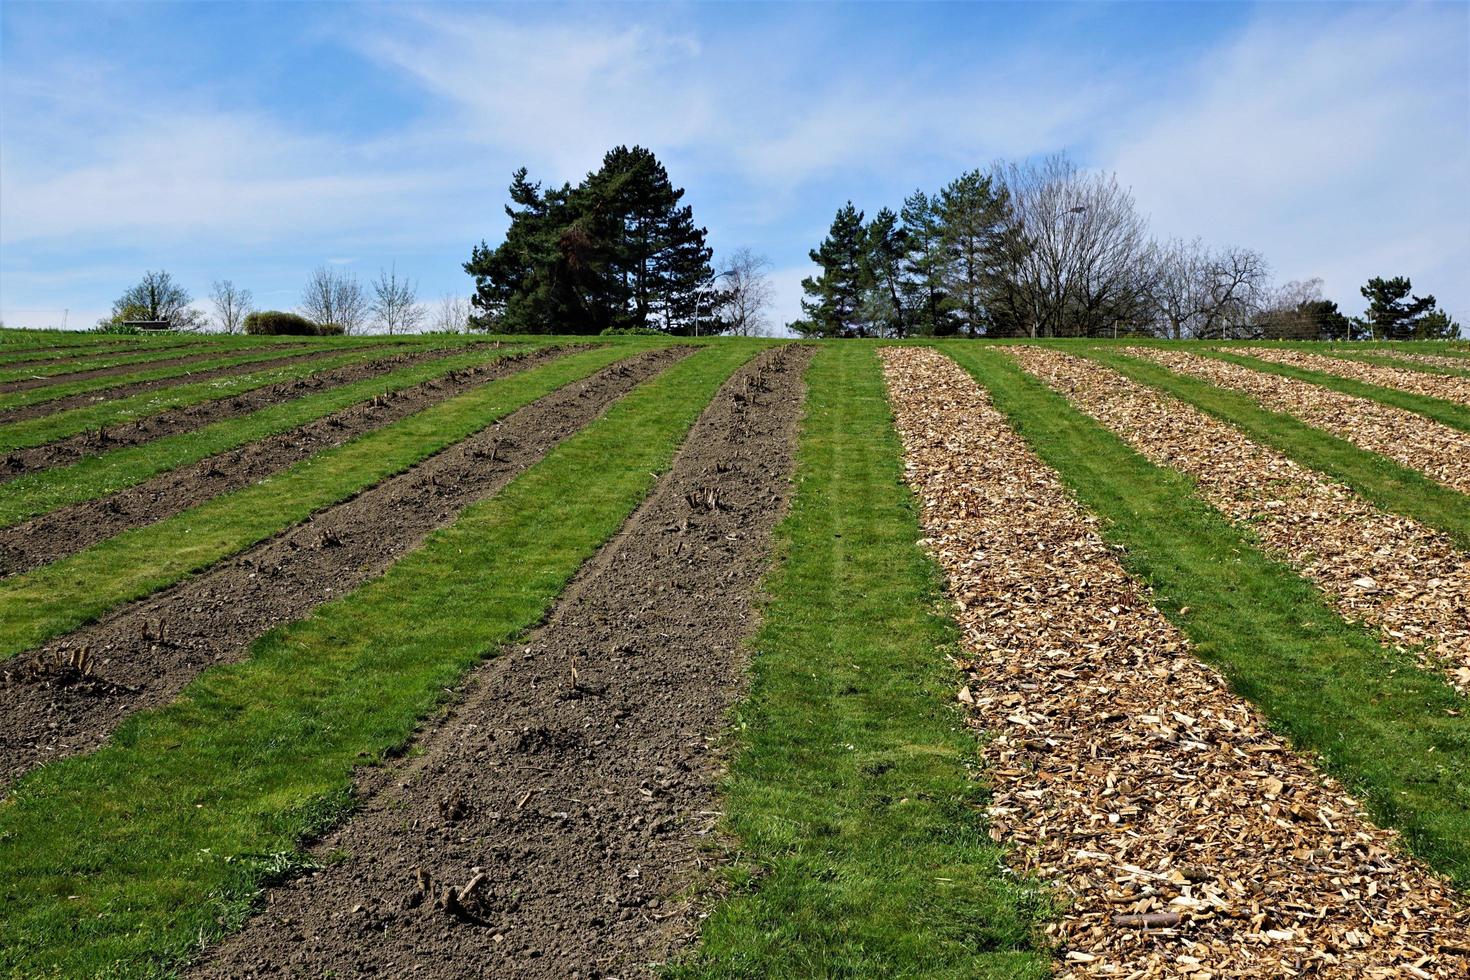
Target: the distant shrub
(330, 329)
(631, 332)
(274, 323)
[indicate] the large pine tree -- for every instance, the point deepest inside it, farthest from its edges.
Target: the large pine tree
(924, 266)
(833, 298)
(973, 222)
(616, 251)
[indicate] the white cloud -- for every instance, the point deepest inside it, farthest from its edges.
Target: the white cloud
(1338, 146)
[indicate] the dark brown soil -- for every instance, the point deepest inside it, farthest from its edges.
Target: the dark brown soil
(64, 452)
(38, 356)
(70, 529)
(55, 703)
(138, 387)
(552, 826)
(22, 384)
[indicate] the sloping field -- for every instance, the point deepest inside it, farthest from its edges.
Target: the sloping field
(445, 656)
(1379, 567)
(1123, 767)
(1449, 386)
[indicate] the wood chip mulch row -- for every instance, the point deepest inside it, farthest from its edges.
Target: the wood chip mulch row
(1409, 581)
(1438, 451)
(1188, 839)
(1460, 363)
(1442, 386)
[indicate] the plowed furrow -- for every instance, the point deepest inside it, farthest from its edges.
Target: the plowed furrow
(1392, 572)
(142, 364)
(574, 782)
(70, 529)
(1185, 837)
(69, 450)
(54, 405)
(142, 655)
(1438, 451)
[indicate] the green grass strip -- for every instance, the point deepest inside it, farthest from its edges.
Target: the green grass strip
(97, 476)
(1376, 358)
(1451, 414)
(862, 843)
(92, 359)
(118, 863)
(1393, 733)
(63, 389)
(1395, 488)
(60, 425)
(65, 594)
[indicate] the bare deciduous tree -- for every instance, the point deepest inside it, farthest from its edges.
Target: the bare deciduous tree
(1080, 257)
(231, 305)
(452, 314)
(333, 296)
(1194, 292)
(747, 293)
(1234, 290)
(395, 303)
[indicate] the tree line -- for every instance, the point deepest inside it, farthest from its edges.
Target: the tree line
(617, 252)
(333, 301)
(1045, 249)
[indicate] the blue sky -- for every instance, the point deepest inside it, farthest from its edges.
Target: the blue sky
(256, 141)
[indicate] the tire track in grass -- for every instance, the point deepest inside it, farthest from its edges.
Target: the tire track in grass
(60, 398)
(1407, 580)
(70, 529)
(1443, 387)
(1188, 839)
(34, 494)
(858, 844)
(1438, 451)
(165, 836)
(582, 798)
(65, 439)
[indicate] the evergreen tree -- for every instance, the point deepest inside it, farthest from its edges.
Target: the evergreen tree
(616, 251)
(833, 298)
(973, 222)
(923, 280)
(1390, 315)
(885, 248)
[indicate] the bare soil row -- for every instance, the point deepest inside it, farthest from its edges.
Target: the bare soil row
(93, 443)
(68, 696)
(1185, 838)
(1440, 386)
(209, 353)
(70, 529)
(1409, 581)
(1438, 451)
(138, 387)
(547, 827)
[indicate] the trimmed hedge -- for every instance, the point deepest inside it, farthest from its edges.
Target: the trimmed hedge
(274, 323)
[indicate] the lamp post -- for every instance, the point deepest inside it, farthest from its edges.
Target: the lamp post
(698, 296)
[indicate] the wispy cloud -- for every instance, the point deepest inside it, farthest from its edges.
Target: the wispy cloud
(1338, 147)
